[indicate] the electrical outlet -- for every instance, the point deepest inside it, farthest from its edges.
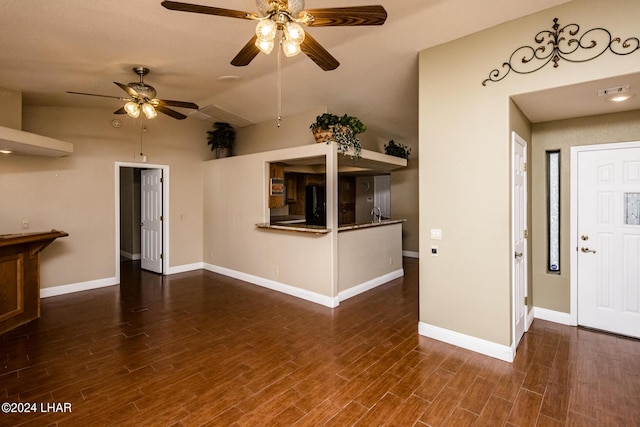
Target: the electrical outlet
(25, 224)
(390, 261)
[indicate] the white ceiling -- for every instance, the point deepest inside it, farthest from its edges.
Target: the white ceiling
(48, 48)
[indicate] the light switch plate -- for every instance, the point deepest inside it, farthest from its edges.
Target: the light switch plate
(436, 234)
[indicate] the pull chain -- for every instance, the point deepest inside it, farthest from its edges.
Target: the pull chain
(279, 84)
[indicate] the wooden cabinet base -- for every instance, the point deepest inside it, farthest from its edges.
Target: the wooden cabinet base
(20, 276)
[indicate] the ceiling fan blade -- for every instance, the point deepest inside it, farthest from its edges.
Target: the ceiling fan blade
(95, 94)
(347, 16)
(318, 54)
(132, 93)
(246, 54)
(120, 111)
(170, 112)
(182, 104)
(207, 10)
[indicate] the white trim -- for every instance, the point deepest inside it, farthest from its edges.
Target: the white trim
(186, 268)
(553, 316)
(78, 287)
(127, 255)
(517, 139)
(531, 315)
(165, 211)
(276, 286)
(478, 345)
(370, 284)
(573, 227)
(411, 254)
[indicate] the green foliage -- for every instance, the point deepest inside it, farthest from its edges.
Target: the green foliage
(398, 150)
(344, 131)
(327, 120)
(223, 136)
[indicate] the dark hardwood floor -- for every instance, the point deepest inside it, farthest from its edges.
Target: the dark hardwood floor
(203, 349)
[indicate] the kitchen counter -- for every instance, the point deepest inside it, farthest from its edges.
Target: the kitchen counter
(348, 227)
(295, 227)
(301, 227)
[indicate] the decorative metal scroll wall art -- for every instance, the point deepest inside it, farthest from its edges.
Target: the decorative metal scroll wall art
(562, 43)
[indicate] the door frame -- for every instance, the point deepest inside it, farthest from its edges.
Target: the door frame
(517, 139)
(573, 239)
(165, 211)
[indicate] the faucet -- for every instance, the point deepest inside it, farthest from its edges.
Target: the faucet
(374, 215)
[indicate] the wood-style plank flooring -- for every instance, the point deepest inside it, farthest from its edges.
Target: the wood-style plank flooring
(203, 349)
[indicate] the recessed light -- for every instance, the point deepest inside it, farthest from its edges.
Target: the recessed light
(5, 151)
(229, 78)
(619, 97)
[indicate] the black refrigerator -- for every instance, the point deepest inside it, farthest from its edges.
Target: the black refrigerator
(316, 205)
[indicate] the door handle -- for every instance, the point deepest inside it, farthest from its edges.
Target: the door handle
(517, 254)
(587, 250)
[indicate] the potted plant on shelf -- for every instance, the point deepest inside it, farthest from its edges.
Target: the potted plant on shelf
(398, 150)
(222, 139)
(341, 129)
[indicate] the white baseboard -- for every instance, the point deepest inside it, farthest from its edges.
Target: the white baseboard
(276, 286)
(77, 287)
(530, 317)
(478, 345)
(132, 257)
(370, 284)
(185, 268)
(553, 316)
(411, 254)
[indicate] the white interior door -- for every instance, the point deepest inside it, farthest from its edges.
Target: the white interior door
(151, 219)
(518, 233)
(608, 240)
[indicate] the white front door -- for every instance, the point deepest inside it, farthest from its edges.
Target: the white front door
(518, 233)
(608, 239)
(151, 219)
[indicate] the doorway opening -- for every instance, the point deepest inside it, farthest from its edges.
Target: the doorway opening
(138, 239)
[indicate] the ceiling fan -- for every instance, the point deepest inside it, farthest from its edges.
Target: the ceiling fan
(285, 16)
(142, 97)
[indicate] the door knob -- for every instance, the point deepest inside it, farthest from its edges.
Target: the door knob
(517, 254)
(587, 250)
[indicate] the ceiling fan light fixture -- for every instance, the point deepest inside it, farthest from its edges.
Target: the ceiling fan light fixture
(149, 111)
(294, 33)
(295, 7)
(265, 46)
(266, 30)
(132, 109)
(290, 49)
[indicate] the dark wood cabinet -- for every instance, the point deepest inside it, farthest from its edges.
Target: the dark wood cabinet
(20, 276)
(346, 200)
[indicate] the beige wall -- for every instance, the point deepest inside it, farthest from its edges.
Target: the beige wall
(551, 290)
(130, 212)
(77, 193)
(367, 254)
(11, 108)
(235, 200)
(465, 160)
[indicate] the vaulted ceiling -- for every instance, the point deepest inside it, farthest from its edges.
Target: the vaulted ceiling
(48, 48)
